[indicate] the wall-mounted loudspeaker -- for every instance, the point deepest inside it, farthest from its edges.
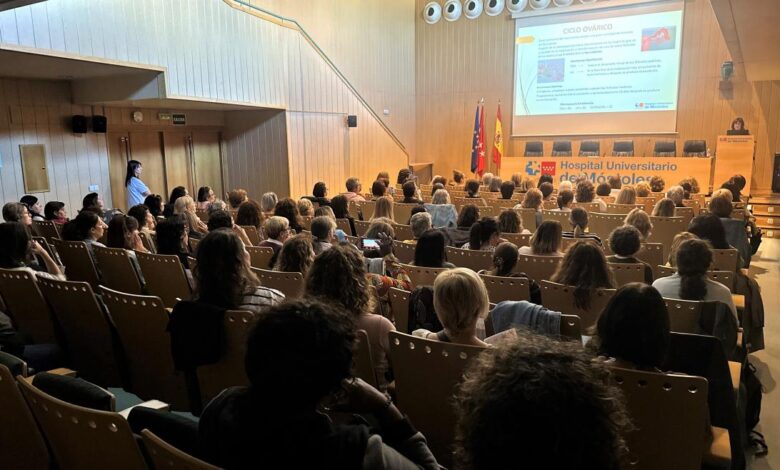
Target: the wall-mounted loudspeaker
(563, 3)
(516, 6)
(452, 10)
(473, 9)
(99, 124)
(351, 120)
(539, 4)
(432, 13)
(78, 124)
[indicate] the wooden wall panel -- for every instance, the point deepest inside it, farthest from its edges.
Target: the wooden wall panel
(458, 63)
(38, 112)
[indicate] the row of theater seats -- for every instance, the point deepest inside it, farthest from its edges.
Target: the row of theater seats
(620, 148)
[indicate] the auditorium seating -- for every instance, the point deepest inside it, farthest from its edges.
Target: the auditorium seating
(537, 268)
(695, 148)
(561, 299)
(603, 224)
(570, 327)
(665, 148)
(623, 148)
(625, 273)
(77, 260)
(252, 234)
(726, 278)
(561, 217)
(399, 306)
(506, 288)
(561, 148)
(164, 455)
(475, 260)
(528, 217)
(519, 239)
(260, 256)
(26, 306)
(422, 276)
(46, 229)
(622, 208)
(289, 284)
(534, 149)
(664, 230)
(117, 270)
(590, 148)
(165, 277)
(22, 446)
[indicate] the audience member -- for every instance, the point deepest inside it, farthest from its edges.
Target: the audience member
(34, 207)
(614, 184)
(443, 213)
(625, 242)
(430, 251)
(268, 203)
(457, 178)
(353, 190)
(378, 189)
(17, 212)
(299, 354)
(546, 241)
(690, 282)
(546, 190)
(323, 232)
(420, 223)
(305, 208)
(155, 204)
(509, 221)
(18, 249)
(676, 194)
(643, 189)
(565, 200)
(487, 178)
(250, 214)
(664, 208)
(578, 218)
(537, 402)
(340, 206)
(657, 184)
(460, 300)
(507, 189)
(55, 211)
(639, 219)
(584, 267)
(176, 193)
(495, 185)
(319, 194)
(237, 197)
(186, 206)
(289, 210)
(277, 230)
(676, 242)
(627, 195)
(484, 235)
(736, 236)
(123, 233)
(410, 193)
(472, 189)
(384, 208)
(504, 260)
(544, 179)
(223, 219)
(145, 219)
(173, 239)
(296, 255)
(205, 197)
(532, 200)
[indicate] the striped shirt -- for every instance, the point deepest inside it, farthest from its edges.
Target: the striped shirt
(261, 298)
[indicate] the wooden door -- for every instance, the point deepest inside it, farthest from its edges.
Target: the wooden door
(207, 162)
(146, 147)
(118, 148)
(178, 164)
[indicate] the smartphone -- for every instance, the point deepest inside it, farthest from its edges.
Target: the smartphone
(370, 243)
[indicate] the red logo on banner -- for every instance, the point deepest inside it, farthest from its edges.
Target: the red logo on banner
(548, 168)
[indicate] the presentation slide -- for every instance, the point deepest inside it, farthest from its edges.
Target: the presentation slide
(613, 72)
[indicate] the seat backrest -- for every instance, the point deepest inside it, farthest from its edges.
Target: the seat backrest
(506, 288)
(566, 242)
(82, 437)
(561, 148)
(399, 307)
(260, 256)
(473, 259)
(165, 277)
(685, 212)
(362, 365)
(502, 204)
(46, 229)
(343, 225)
(588, 206)
(164, 455)
(652, 254)
(252, 234)
(229, 370)
(528, 217)
(646, 203)
(684, 315)
(147, 241)
(590, 148)
(668, 412)
(625, 273)
(426, 374)
(403, 232)
(725, 259)
(665, 148)
(623, 148)
(537, 268)
(117, 270)
(622, 208)
(724, 277)
(561, 217)
(603, 224)
(664, 230)
(21, 444)
(26, 306)
(78, 261)
(141, 322)
(561, 299)
(421, 276)
(366, 209)
(404, 251)
(361, 227)
(403, 212)
(534, 149)
(695, 148)
(86, 332)
(289, 284)
(519, 239)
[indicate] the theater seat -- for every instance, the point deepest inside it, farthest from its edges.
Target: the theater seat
(534, 149)
(665, 148)
(695, 148)
(561, 148)
(590, 148)
(623, 148)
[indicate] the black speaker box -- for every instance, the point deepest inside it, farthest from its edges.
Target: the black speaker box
(99, 124)
(79, 124)
(351, 121)
(776, 175)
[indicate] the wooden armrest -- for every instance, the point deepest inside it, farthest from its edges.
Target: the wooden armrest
(153, 404)
(63, 371)
(739, 301)
(735, 370)
(719, 453)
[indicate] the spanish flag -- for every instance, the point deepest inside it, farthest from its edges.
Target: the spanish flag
(498, 140)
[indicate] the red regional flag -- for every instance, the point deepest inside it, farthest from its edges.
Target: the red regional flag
(481, 143)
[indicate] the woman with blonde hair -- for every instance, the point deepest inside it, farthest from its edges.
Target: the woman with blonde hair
(627, 195)
(643, 189)
(296, 256)
(546, 241)
(383, 208)
(443, 213)
(639, 219)
(664, 208)
(676, 242)
(305, 208)
(533, 200)
(460, 300)
(185, 206)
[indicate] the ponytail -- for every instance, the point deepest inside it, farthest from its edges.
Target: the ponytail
(694, 258)
(692, 287)
(475, 242)
(578, 232)
(579, 220)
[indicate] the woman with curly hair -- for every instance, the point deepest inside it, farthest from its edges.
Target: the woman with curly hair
(250, 214)
(296, 255)
(657, 184)
(338, 276)
(520, 400)
(627, 195)
(509, 221)
(584, 267)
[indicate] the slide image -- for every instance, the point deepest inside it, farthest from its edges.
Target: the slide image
(551, 71)
(659, 39)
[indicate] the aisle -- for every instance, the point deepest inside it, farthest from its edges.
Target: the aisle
(765, 268)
